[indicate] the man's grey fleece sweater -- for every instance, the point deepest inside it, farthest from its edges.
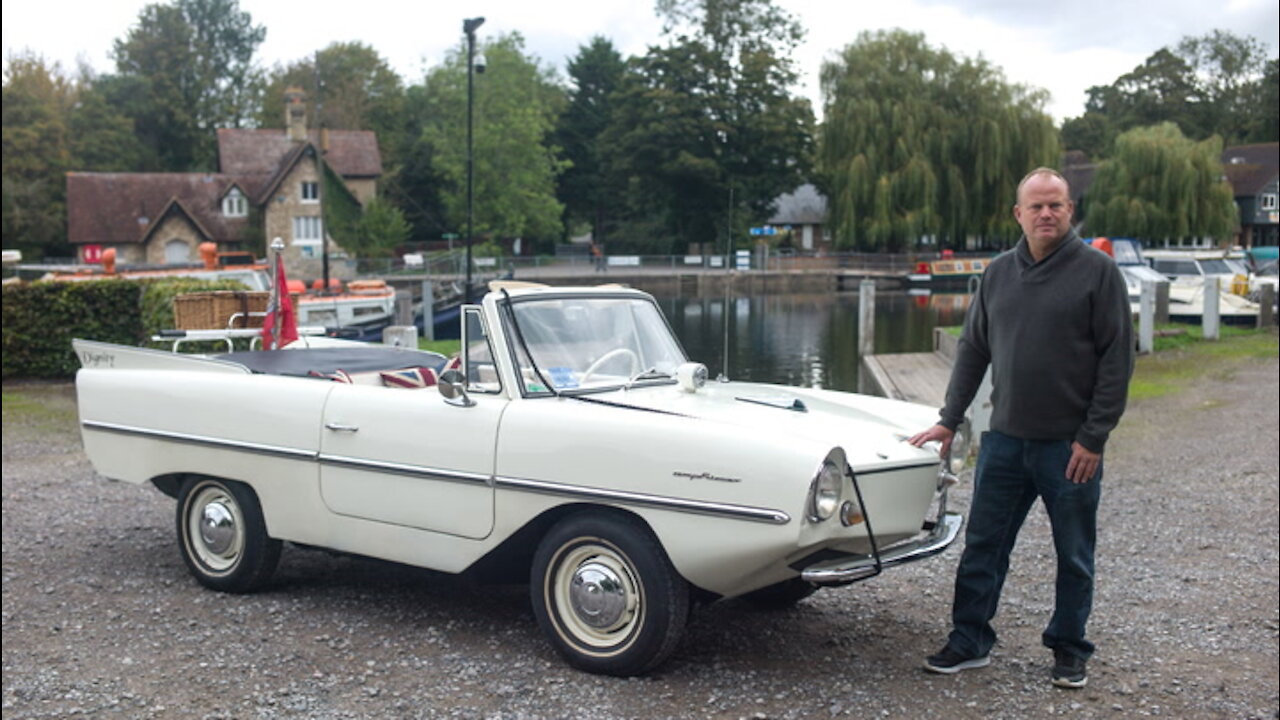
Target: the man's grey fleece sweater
(1058, 335)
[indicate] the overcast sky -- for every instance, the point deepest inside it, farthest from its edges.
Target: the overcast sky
(1063, 47)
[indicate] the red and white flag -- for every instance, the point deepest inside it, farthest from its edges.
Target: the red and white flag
(280, 327)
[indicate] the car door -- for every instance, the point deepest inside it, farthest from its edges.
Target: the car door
(406, 457)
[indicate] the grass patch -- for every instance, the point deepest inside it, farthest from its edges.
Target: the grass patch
(448, 348)
(1179, 359)
(43, 408)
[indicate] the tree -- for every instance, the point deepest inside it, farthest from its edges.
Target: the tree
(596, 72)
(516, 102)
(1213, 84)
(36, 151)
(1161, 185)
(1266, 109)
(918, 142)
(706, 133)
(382, 229)
(1228, 68)
(184, 71)
(53, 124)
(353, 87)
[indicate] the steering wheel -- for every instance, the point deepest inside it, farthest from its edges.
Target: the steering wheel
(600, 361)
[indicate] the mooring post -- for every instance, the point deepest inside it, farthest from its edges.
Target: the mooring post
(866, 318)
(1266, 305)
(428, 310)
(1212, 295)
(1147, 317)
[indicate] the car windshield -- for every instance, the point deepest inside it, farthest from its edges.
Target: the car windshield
(1126, 253)
(593, 343)
(1217, 267)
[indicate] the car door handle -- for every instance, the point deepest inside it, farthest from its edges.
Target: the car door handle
(339, 427)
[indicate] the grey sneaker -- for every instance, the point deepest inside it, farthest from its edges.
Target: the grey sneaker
(1068, 669)
(950, 662)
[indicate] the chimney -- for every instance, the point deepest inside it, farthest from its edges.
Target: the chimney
(295, 113)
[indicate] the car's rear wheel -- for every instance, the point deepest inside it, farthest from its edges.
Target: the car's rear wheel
(780, 596)
(223, 536)
(606, 595)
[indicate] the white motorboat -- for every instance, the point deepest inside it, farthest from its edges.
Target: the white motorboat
(1186, 293)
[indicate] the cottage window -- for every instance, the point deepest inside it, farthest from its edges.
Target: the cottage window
(234, 204)
(306, 229)
(1269, 201)
(310, 192)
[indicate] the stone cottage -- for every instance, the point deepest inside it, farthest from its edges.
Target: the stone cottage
(267, 186)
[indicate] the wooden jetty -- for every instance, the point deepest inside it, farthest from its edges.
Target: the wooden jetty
(914, 377)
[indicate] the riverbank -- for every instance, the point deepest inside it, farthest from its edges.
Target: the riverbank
(102, 620)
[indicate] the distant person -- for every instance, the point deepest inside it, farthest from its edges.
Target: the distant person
(597, 256)
(1051, 319)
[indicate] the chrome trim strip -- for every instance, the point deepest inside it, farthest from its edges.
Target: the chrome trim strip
(877, 469)
(250, 447)
(858, 567)
(736, 512)
(402, 469)
(701, 507)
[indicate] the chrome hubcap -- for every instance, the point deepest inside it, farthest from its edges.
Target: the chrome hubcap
(217, 528)
(597, 595)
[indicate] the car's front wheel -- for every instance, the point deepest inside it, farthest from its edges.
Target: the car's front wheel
(606, 595)
(223, 535)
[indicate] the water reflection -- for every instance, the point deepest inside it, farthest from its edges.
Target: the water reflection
(809, 340)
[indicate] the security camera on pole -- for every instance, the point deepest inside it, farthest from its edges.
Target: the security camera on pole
(474, 65)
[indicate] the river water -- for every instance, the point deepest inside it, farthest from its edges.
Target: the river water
(806, 340)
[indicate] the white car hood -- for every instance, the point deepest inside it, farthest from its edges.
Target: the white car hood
(871, 430)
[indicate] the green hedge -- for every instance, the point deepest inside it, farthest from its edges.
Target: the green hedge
(41, 318)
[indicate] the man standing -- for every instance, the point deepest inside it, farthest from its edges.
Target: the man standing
(1052, 320)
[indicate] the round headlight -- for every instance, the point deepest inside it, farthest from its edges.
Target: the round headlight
(824, 493)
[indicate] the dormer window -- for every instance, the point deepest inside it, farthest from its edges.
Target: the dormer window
(310, 192)
(1268, 201)
(234, 204)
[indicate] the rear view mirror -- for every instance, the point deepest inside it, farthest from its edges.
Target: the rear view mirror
(453, 387)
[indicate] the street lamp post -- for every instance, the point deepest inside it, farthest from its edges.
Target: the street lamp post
(469, 27)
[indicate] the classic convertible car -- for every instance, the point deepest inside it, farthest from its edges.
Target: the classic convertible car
(572, 442)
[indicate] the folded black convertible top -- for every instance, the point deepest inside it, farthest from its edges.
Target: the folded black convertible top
(302, 362)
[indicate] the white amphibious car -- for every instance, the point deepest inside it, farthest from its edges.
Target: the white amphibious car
(575, 443)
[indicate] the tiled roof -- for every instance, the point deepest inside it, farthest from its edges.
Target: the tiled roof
(352, 153)
(1250, 168)
(121, 208)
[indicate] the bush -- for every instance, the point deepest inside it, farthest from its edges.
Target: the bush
(41, 318)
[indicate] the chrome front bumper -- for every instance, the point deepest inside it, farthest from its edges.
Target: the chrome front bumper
(851, 568)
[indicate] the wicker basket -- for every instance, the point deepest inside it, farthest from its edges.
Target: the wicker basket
(215, 310)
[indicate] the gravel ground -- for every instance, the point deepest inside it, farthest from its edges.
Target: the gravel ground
(101, 619)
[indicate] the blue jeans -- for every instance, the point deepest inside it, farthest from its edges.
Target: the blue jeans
(1011, 473)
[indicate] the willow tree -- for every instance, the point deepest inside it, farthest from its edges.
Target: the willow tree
(1161, 185)
(918, 142)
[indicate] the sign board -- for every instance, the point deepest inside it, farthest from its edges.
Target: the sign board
(766, 230)
(628, 260)
(743, 260)
(92, 253)
(486, 262)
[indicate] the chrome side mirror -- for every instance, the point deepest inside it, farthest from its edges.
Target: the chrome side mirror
(453, 386)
